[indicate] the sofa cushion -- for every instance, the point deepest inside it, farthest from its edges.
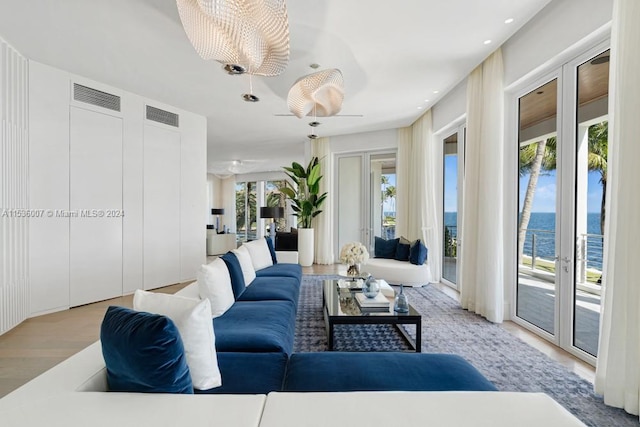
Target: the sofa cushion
(214, 284)
(345, 371)
(272, 288)
(272, 250)
(385, 248)
(250, 373)
(402, 250)
(193, 320)
(143, 352)
(242, 253)
(256, 326)
(418, 253)
(235, 272)
(260, 255)
(282, 270)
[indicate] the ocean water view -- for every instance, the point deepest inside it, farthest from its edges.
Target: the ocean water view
(542, 224)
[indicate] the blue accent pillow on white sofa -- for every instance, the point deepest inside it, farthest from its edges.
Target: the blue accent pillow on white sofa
(143, 352)
(418, 253)
(385, 248)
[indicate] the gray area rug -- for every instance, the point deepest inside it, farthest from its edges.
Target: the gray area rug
(510, 363)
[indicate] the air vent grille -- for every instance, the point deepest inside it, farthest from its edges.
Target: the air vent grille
(162, 116)
(96, 97)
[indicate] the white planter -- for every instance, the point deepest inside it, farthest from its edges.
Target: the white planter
(305, 246)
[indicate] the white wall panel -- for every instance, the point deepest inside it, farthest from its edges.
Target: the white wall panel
(49, 181)
(193, 195)
(161, 206)
(14, 188)
(95, 206)
(132, 194)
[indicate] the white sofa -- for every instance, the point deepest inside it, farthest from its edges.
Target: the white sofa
(73, 393)
(398, 272)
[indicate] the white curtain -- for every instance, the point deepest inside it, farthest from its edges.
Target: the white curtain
(416, 194)
(323, 223)
(618, 365)
(482, 247)
(403, 181)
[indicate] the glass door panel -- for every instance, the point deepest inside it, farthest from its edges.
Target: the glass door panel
(591, 183)
(450, 215)
(537, 131)
(382, 197)
(350, 225)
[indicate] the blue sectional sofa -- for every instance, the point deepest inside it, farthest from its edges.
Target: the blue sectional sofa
(254, 345)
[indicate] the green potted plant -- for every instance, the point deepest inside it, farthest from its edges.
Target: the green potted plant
(305, 202)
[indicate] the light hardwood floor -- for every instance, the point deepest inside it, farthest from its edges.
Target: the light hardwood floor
(42, 342)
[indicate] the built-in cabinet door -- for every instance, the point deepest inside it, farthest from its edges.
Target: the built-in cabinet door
(161, 207)
(95, 204)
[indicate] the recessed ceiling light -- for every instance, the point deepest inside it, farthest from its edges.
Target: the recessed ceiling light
(419, 108)
(508, 20)
(436, 91)
(426, 100)
(487, 42)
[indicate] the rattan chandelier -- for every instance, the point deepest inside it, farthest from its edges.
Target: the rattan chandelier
(247, 36)
(319, 94)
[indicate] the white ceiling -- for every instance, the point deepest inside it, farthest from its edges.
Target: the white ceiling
(393, 55)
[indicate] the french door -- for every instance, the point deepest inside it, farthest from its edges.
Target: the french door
(365, 186)
(452, 181)
(562, 123)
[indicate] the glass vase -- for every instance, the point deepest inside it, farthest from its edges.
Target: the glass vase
(353, 270)
(402, 302)
(370, 287)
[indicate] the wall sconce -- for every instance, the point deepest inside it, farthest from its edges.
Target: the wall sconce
(274, 213)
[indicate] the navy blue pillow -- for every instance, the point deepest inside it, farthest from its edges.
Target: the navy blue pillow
(385, 248)
(418, 253)
(402, 252)
(235, 271)
(143, 353)
(272, 250)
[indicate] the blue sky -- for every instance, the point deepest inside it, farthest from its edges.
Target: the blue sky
(545, 196)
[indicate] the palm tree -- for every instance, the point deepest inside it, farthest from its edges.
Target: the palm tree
(534, 158)
(597, 160)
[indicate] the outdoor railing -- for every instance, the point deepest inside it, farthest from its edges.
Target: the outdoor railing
(540, 246)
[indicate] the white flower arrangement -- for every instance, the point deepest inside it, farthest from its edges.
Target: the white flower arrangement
(353, 253)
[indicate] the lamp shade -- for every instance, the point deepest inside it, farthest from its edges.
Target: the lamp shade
(250, 35)
(271, 212)
(217, 211)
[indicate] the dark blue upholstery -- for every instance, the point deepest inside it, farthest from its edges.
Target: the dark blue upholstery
(272, 251)
(143, 352)
(256, 326)
(337, 371)
(281, 270)
(235, 272)
(402, 252)
(250, 373)
(417, 253)
(272, 288)
(385, 248)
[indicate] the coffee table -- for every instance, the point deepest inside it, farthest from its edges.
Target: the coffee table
(340, 308)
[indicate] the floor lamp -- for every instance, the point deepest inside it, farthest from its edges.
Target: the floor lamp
(217, 213)
(274, 213)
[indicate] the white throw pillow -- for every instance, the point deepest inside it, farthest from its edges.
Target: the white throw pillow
(242, 253)
(193, 319)
(260, 254)
(214, 284)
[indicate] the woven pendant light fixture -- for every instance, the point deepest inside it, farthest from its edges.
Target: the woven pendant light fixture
(247, 36)
(319, 93)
